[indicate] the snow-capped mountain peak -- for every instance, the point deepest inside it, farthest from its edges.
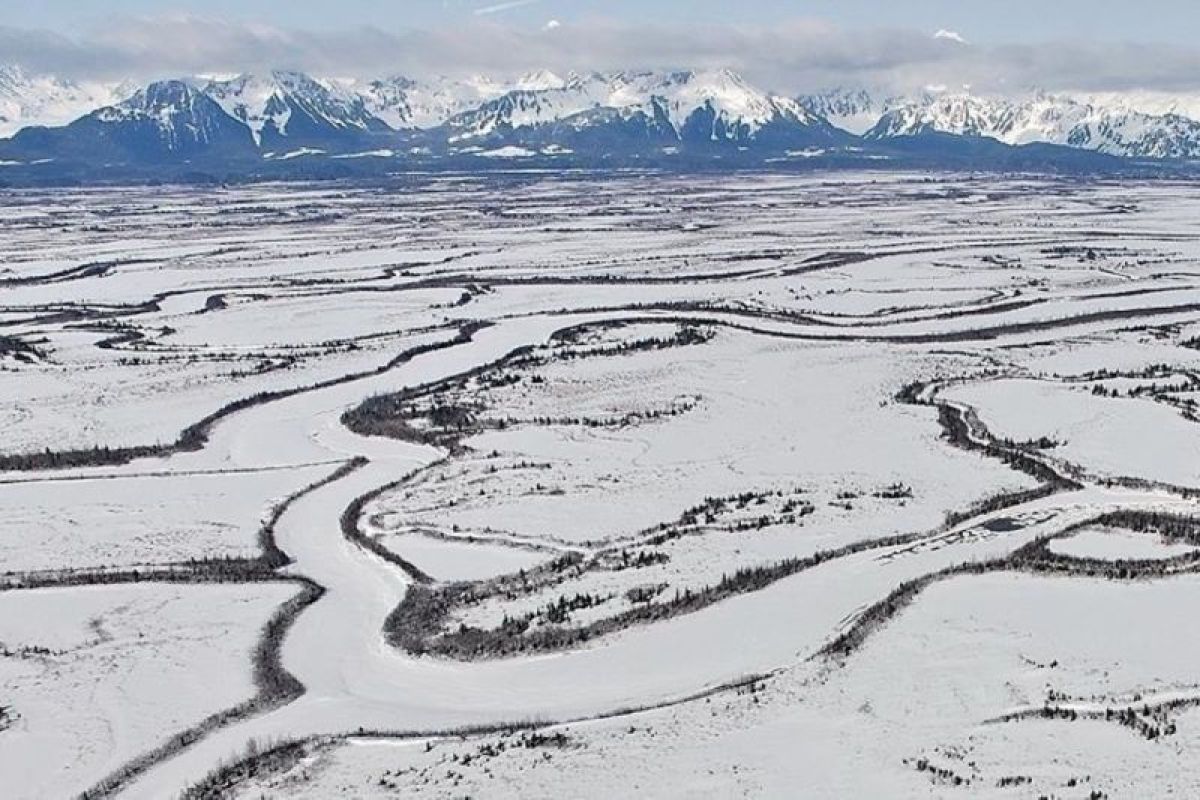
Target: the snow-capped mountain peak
(730, 97)
(404, 103)
(628, 113)
(27, 99)
(856, 110)
(165, 118)
(713, 105)
(254, 101)
(277, 104)
(962, 113)
(1042, 117)
(540, 80)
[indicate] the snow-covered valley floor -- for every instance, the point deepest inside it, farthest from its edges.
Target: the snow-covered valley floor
(530, 486)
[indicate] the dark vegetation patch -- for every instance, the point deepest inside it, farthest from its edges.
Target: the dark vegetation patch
(1185, 381)
(1036, 558)
(255, 762)
(446, 412)
(963, 429)
(195, 436)
(19, 349)
(349, 522)
(418, 623)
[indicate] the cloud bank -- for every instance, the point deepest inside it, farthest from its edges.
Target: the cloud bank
(799, 56)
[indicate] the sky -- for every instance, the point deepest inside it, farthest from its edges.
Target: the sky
(803, 45)
(982, 20)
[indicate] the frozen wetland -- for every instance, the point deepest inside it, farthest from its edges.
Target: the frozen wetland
(529, 486)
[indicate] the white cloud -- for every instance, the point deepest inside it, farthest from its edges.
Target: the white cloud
(551, 25)
(794, 57)
(950, 36)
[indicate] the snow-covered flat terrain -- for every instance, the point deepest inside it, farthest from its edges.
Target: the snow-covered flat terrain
(609, 485)
(140, 519)
(96, 676)
(918, 715)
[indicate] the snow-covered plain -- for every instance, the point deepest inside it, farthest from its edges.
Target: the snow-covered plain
(141, 519)
(1115, 544)
(643, 438)
(95, 676)
(928, 690)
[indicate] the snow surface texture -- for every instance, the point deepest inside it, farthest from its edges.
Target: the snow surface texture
(94, 677)
(875, 485)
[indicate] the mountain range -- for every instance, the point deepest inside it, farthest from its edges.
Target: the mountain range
(286, 122)
(1114, 125)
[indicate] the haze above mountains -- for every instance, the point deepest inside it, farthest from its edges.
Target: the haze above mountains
(58, 126)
